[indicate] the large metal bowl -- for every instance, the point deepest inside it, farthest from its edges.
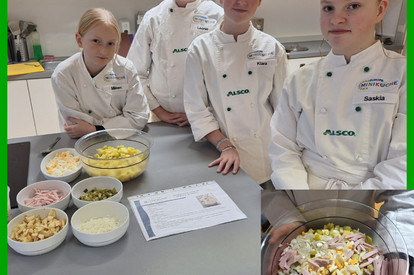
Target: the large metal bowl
(316, 214)
(123, 169)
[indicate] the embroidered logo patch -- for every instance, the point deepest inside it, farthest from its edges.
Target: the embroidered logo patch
(339, 133)
(182, 50)
(260, 53)
(203, 20)
(112, 76)
(378, 83)
(239, 92)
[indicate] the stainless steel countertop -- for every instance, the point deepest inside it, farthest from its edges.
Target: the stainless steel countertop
(175, 160)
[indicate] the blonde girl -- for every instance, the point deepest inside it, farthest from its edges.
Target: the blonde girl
(96, 88)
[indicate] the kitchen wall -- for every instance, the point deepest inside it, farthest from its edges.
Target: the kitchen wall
(289, 21)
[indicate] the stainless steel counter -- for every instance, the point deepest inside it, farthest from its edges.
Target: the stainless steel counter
(175, 160)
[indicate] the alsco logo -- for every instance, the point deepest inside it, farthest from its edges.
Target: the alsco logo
(254, 54)
(339, 133)
(112, 76)
(183, 50)
(364, 85)
(239, 92)
(203, 19)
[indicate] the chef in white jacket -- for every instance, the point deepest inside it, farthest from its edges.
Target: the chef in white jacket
(234, 76)
(97, 89)
(341, 121)
(159, 50)
(112, 99)
(396, 205)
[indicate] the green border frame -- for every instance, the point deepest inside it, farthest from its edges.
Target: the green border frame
(410, 177)
(3, 136)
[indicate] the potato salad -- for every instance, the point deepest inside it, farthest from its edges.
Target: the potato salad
(123, 163)
(333, 250)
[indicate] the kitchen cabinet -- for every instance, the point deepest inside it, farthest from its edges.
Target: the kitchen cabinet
(31, 108)
(45, 111)
(294, 64)
(20, 122)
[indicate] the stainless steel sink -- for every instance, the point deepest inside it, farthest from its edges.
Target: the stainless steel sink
(49, 65)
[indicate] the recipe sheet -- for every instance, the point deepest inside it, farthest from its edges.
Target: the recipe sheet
(167, 212)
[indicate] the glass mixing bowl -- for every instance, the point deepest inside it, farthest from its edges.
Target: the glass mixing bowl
(122, 168)
(340, 212)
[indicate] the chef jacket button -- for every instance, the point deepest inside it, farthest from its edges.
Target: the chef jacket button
(173, 96)
(358, 109)
(171, 10)
(359, 159)
(329, 74)
(366, 69)
(234, 139)
(84, 85)
(228, 109)
(323, 110)
(90, 111)
(224, 75)
(324, 157)
(250, 72)
(252, 105)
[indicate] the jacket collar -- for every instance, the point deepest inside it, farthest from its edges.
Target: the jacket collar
(229, 38)
(366, 56)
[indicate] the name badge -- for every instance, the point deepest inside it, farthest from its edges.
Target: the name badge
(115, 87)
(261, 63)
(202, 23)
(375, 98)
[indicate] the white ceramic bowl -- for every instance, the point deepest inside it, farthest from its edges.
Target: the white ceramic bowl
(99, 183)
(28, 192)
(67, 177)
(96, 210)
(38, 247)
(125, 168)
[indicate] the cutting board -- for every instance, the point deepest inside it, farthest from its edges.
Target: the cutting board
(24, 68)
(18, 155)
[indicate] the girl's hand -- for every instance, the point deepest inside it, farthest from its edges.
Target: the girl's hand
(277, 235)
(227, 159)
(174, 118)
(79, 128)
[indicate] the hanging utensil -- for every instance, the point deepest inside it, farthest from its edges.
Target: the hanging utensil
(14, 27)
(26, 28)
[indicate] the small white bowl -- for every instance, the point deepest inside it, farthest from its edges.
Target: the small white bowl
(96, 210)
(28, 192)
(99, 183)
(68, 177)
(38, 247)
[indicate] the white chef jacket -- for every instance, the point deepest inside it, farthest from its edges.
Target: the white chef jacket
(159, 48)
(234, 86)
(398, 207)
(342, 125)
(114, 98)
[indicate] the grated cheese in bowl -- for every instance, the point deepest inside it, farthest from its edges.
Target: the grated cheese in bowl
(99, 225)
